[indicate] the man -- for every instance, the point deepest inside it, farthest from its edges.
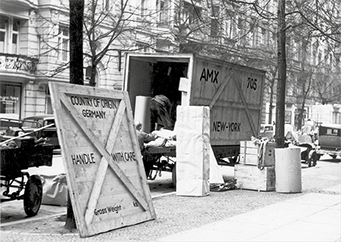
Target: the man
(160, 109)
(143, 138)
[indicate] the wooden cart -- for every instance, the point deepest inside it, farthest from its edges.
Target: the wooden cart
(18, 155)
(161, 159)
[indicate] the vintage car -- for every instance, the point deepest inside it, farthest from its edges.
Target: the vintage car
(34, 126)
(329, 140)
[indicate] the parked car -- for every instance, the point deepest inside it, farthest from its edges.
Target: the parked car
(33, 125)
(267, 131)
(329, 140)
(293, 138)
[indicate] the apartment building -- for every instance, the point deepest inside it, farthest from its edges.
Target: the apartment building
(26, 57)
(34, 50)
(34, 45)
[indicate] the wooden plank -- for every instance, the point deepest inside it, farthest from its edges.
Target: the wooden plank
(221, 88)
(103, 165)
(248, 114)
(252, 178)
(250, 153)
(105, 172)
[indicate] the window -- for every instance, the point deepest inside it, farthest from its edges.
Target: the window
(88, 73)
(143, 8)
(264, 39)
(15, 36)
(299, 50)
(230, 25)
(190, 14)
(48, 102)
(240, 26)
(2, 34)
(256, 36)
(314, 50)
(10, 99)
(9, 35)
(63, 43)
(163, 14)
(214, 21)
(106, 5)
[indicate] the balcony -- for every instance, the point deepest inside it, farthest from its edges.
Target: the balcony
(27, 4)
(10, 63)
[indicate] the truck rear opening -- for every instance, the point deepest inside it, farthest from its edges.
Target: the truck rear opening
(233, 92)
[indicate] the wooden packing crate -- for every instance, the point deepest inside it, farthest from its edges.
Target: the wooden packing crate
(250, 177)
(249, 153)
(101, 154)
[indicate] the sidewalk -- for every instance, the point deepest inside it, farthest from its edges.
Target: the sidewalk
(310, 217)
(234, 215)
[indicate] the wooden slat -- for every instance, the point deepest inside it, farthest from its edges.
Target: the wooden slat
(252, 178)
(221, 88)
(245, 107)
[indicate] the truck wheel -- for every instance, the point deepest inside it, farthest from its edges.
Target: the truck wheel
(315, 158)
(33, 195)
(318, 156)
(333, 156)
(174, 175)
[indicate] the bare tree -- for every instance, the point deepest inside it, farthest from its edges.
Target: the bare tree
(111, 28)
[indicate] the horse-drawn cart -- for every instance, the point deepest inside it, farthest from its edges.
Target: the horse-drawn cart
(18, 154)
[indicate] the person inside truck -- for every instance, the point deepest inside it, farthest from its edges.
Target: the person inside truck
(144, 138)
(160, 109)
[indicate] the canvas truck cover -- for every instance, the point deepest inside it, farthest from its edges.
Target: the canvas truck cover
(233, 92)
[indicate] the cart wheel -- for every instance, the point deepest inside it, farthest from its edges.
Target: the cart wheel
(33, 195)
(174, 175)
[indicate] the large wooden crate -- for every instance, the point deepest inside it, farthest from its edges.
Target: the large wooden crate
(250, 153)
(250, 177)
(101, 154)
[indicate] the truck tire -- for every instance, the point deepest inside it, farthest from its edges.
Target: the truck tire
(33, 195)
(312, 159)
(174, 175)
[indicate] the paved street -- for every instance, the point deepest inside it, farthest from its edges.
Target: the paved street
(234, 215)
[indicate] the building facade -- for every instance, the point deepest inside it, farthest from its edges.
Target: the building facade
(34, 46)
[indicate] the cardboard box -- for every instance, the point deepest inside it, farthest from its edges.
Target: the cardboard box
(254, 154)
(250, 177)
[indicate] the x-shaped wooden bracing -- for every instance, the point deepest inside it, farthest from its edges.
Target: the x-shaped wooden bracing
(228, 77)
(103, 166)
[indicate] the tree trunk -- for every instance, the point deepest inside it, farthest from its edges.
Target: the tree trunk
(76, 71)
(282, 68)
(70, 222)
(272, 85)
(76, 41)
